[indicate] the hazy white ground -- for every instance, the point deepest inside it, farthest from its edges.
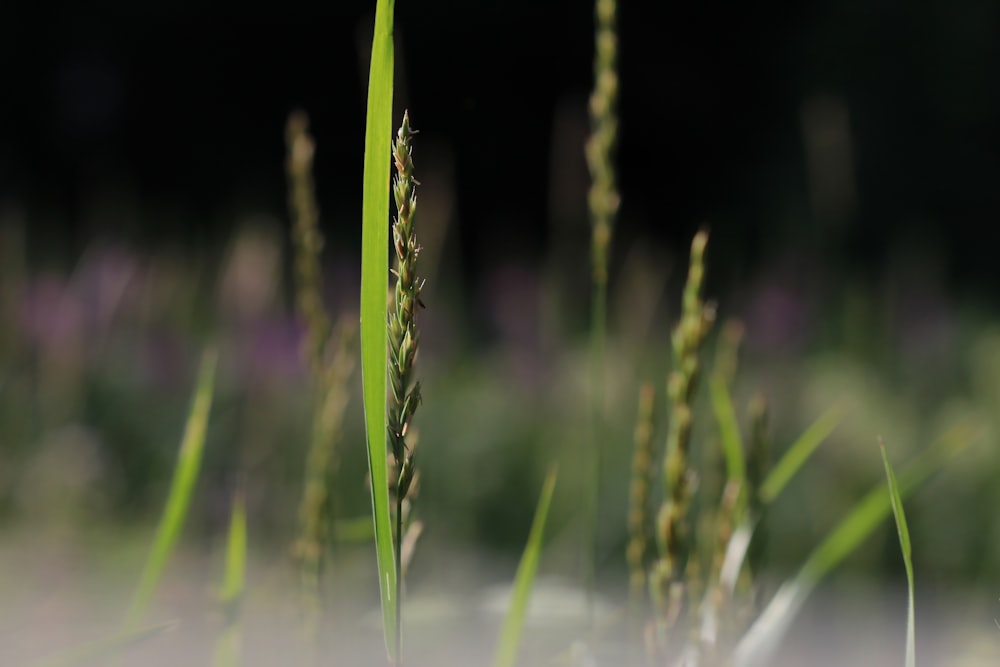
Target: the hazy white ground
(57, 595)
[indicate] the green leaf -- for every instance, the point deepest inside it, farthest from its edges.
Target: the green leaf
(729, 430)
(227, 647)
(798, 454)
(181, 489)
(236, 552)
(374, 303)
(524, 580)
(904, 544)
(756, 647)
(774, 484)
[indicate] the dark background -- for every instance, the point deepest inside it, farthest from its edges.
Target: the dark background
(164, 123)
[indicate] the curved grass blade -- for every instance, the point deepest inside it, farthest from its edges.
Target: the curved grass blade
(729, 430)
(105, 649)
(374, 303)
(181, 489)
(904, 546)
(757, 646)
(773, 485)
(798, 454)
(228, 646)
(524, 580)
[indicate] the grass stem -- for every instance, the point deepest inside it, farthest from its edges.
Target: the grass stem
(603, 202)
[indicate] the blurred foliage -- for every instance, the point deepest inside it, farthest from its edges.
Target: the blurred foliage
(96, 362)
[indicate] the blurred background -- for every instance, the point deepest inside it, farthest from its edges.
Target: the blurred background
(844, 156)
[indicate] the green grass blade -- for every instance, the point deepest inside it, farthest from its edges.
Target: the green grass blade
(773, 485)
(756, 647)
(181, 489)
(510, 634)
(105, 649)
(374, 303)
(904, 545)
(236, 553)
(798, 454)
(729, 430)
(227, 648)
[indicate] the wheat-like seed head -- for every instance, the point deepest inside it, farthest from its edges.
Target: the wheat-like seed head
(673, 530)
(307, 239)
(404, 337)
(603, 198)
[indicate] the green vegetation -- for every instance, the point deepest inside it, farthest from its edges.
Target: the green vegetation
(904, 544)
(700, 504)
(510, 634)
(229, 645)
(181, 488)
(374, 310)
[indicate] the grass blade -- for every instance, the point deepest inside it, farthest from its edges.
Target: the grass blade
(227, 648)
(729, 430)
(181, 489)
(798, 454)
(510, 634)
(904, 546)
(374, 304)
(105, 649)
(756, 647)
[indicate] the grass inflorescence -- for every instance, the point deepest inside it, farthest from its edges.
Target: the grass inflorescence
(404, 338)
(329, 358)
(674, 523)
(603, 202)
(639, 534)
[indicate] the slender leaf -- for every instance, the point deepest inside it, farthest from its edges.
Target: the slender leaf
(236, 552)
(798, 454)
(374, 304)
(227, 647)
(524, 580)
(774, 484)
(181, 489)
(729, 429)
(105, 649)
(756, 647)
(904, 545)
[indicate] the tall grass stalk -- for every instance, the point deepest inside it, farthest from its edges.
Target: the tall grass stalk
(907, 550)
(181, 489)
(667, 580)
(639, 534)
(307, 240)
(524, 580)
(603, 202)
(404, 340)
(330, 361)
(374, 306)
